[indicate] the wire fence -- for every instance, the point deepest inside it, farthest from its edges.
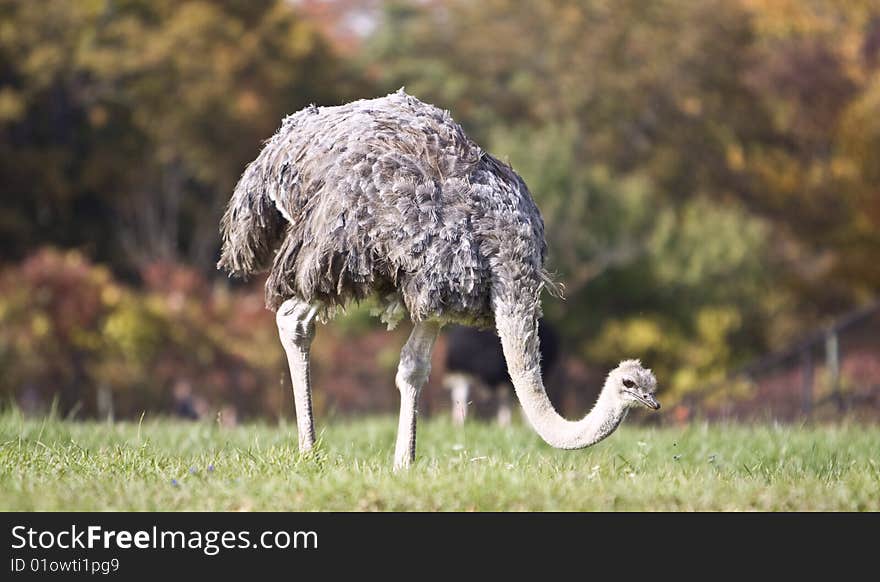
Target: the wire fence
(832, 373)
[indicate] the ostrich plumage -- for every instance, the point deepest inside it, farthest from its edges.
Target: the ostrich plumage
(389, 198)
(385, 197)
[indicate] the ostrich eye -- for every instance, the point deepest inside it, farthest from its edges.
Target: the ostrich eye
(628, 383)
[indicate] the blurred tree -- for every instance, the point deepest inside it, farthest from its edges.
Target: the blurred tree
(697, 303)
(707, 170)
(71, 333)
(700, 166)
(124, 124)
(815, 73)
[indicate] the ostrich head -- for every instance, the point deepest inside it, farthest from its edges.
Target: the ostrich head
(633, 384)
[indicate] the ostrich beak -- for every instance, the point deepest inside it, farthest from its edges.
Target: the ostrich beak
(647, 399)
(650, 401)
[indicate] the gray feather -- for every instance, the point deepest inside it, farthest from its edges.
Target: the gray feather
(385, 197)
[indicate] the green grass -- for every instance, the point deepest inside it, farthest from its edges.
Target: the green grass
(48, 464)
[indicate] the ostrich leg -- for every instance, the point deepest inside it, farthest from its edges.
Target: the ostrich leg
(412, 372)
(296, 328)
(459, 386)
(505, 406)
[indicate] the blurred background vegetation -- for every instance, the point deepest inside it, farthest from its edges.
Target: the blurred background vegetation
(709, 175)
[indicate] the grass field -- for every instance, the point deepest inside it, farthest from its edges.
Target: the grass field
(165, 465)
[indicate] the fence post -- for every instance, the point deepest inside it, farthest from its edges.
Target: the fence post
(807, 380)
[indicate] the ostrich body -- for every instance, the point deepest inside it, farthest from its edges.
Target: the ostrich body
(388, 197)
(474, 358)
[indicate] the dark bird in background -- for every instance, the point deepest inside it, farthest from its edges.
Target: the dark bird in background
(475, 363)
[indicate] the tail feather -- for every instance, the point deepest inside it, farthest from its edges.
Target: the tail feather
(251, 228)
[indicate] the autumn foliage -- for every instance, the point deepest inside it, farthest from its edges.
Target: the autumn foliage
(707, 172)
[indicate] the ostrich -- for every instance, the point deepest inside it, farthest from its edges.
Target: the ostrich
(474, 358)
(389, 198)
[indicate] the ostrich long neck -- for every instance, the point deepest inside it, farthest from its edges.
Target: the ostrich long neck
(519, 339)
